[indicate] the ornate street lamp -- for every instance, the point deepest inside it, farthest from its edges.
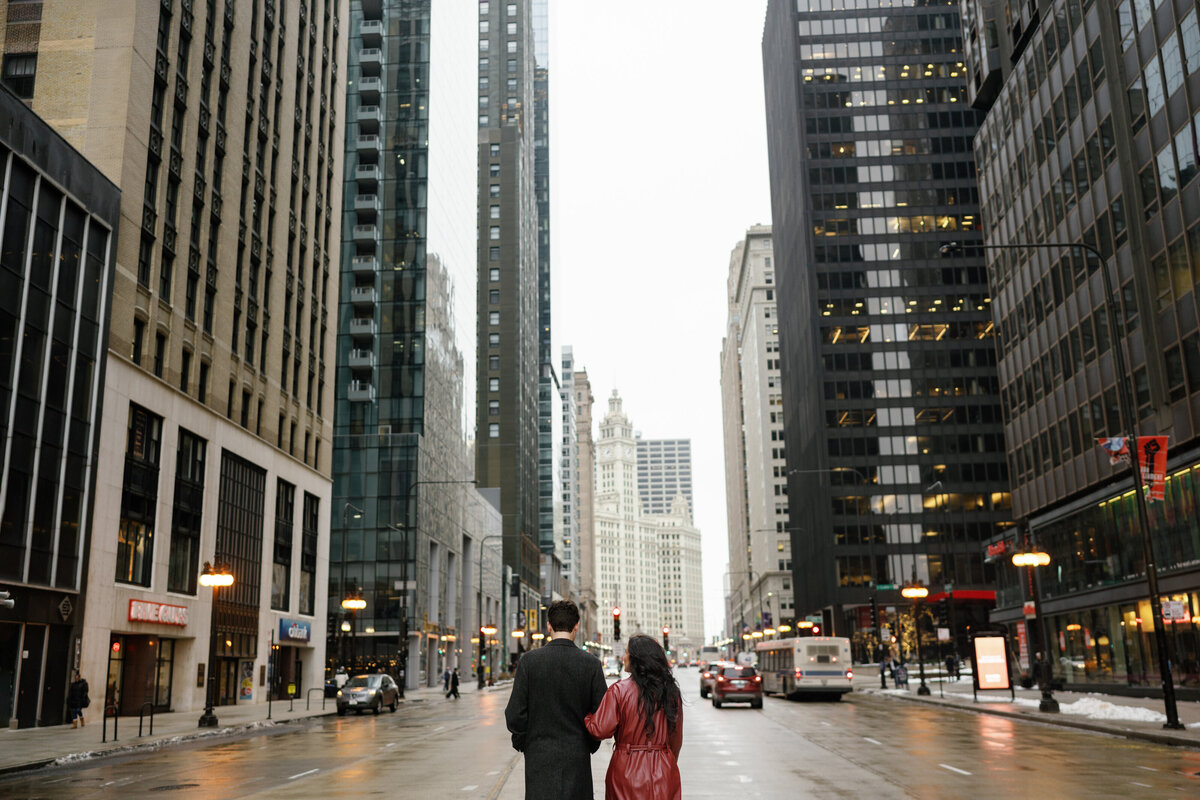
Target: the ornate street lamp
(1029, 559)
(916, 592)
(354, 603)
(215, 577)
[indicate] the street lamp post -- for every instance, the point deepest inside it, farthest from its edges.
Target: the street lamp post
(1125, 409)
(1030, 558)
(358, 514)
(214, 576)
(916, 592)
(354, 603)
(485, 633)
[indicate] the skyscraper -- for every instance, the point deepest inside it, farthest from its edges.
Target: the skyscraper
(664, 471)
(407, 522)
(217, 418)
(509, 412)
(760, 558)
(1090, 136)
(589, 600)
(892, 423)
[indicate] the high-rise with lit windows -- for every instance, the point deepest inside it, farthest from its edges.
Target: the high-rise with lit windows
(1092, 117)
(892, 425)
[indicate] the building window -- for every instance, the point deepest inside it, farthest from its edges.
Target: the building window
(494, 232)
(245, 419)
(493, 340)
(308, 553)
(494, 430)
(494, 212)
(202, 389)
(281, 570)
(139, 337)
(483, 120)
(511, 46)
(493, 384)
(494, 274)
(185, 517)
(493, 190)
(493, 254)
(19, 72)
(493, 318)
(493, 296)
(139, 497)
(494, 150)
(494, 363)
(185, 369)
(160, 353)
(493, 408)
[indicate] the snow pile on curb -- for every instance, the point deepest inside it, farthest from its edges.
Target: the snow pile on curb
(1095, 708)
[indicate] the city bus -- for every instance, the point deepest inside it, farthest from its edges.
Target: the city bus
(708, 654)
(808, 665)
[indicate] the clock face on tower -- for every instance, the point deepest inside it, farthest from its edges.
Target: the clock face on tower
(606, 452)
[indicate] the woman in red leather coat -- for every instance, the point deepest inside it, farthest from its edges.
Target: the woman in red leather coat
(645, 711)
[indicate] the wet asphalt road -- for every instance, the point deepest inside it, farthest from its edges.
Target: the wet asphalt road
(862, 747)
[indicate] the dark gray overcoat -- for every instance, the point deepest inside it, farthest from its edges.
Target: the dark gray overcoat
(556, 686)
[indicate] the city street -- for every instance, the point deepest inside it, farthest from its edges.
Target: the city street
(864, 746)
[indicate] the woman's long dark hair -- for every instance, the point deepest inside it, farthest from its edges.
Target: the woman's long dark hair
(649, 669)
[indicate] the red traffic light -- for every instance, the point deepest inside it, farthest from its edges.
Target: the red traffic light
(616, 611)
(666, 630)
(816, 630)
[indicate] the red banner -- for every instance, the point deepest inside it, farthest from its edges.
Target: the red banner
(1152, 454)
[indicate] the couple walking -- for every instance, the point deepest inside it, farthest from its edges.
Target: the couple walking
(560, 709)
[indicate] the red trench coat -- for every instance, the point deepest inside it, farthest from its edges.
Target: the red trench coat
(641, 768)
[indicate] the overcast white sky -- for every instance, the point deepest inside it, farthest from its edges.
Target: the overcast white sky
(658, 167)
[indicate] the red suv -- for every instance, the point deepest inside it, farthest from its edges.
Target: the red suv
(736, 684)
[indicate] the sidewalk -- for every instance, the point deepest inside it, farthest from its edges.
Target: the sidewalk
(1139, 718)
(30, 748)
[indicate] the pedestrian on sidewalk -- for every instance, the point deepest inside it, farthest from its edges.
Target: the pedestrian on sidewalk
(454, 685)
(885, 667)
(951, 671)
(900, 675)
(555, 687)
(77, 699)
(645, 712)
(446, 682)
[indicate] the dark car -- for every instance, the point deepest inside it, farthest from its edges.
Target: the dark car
(364, 692)
(708, 675)
(735, 684)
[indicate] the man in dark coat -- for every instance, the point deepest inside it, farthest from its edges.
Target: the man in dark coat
(556, 686)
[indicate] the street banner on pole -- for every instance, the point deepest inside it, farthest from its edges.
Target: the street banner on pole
(1154, 464)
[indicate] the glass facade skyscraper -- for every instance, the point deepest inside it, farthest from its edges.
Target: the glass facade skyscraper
(889, 395)
(1092, 121)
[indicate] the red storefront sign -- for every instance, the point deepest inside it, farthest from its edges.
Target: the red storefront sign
(160, 613)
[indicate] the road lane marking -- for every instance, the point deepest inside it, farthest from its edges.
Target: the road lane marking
(954, 769)
(724, 753)
(439, 728)
(732, 764)
(745, 779)
(391, 744)
(1148, 769)
(494, 772)
(873, 741)
(302, 774)
(470, 788)
(826, 724)
(1143, 785)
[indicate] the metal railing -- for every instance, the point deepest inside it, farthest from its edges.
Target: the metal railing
(308, 697)
(104, 723)
(141, 714)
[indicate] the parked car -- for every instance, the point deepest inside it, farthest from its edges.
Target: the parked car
(612, 668)
(364, 692)
(708, 676)
(737, 684)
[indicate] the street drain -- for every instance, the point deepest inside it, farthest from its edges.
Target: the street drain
(173, 786)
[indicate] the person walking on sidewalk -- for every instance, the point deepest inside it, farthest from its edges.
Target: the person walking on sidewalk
(446, 682)
(555, 687)
(454, 686)
(77, 700)
(645, 712)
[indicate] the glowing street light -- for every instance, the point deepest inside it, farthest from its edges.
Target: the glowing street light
(916, 592)
(216, 577)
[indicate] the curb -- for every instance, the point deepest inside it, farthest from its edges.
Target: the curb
(1058, 720)
(74, 759)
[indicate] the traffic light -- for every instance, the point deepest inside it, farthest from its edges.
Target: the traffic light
(943, 612)
(874, 613)
(666, 644)
(616, 612)
(816, 630)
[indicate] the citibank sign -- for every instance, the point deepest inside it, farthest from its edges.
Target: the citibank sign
(294, 630)
(161, 613)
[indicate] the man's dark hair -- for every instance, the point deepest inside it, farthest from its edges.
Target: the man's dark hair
(563, 616)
